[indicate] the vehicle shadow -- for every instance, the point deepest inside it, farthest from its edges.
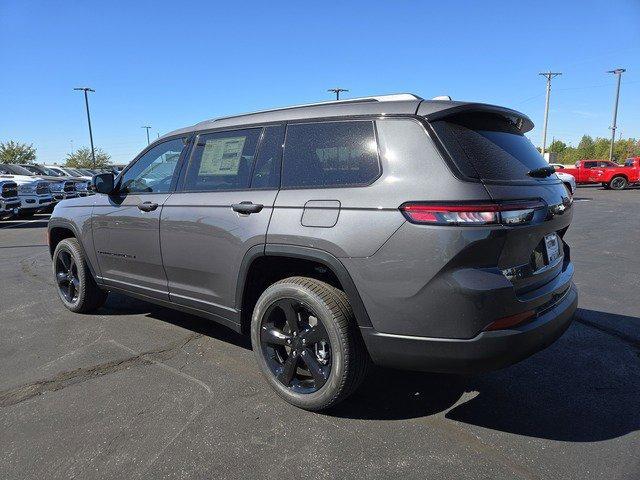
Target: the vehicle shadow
(584, 388)
(118, 304)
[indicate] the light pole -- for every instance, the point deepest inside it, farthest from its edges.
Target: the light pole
(86, 102)
(549, 76)
(337, 91)
(618, 72)
(147, 128)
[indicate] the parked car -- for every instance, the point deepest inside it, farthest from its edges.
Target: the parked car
(420, 234)
(9, 200)
(620, 177)
(33, 192)
(568, 180)
(80, 184)
(582, 171)
(60, 186)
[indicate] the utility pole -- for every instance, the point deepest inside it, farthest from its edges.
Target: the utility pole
(337, 91)
(147, 127)
(618, 72)
(86, 102)
(548, 76)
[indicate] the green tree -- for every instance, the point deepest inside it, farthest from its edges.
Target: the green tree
(81, 158)
(16, 152)
(586, 147)
(557, 146)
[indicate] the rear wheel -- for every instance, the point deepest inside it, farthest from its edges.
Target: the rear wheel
(306, 343)
(618, 183)
(76, 287)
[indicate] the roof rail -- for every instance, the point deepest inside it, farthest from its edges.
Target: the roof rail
(394, 97)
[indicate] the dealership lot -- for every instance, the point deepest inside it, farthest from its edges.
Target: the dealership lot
(139, 391)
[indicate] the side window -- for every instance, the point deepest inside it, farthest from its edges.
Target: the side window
(330, 154)
(153, 172)
(266, 173)
(222, 161)
(590, 164)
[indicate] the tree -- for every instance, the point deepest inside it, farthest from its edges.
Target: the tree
(557, 146)
(16, 152)
(81, 158)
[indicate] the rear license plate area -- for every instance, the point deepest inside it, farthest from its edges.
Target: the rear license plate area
(552, 248)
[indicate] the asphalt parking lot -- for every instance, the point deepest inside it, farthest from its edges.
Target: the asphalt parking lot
(139, 391)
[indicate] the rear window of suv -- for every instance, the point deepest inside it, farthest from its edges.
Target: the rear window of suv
(330, 154)
(489, 147)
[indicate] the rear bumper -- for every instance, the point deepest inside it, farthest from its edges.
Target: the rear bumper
(486, 351)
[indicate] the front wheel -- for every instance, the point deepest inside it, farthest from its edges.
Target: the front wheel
(76, 287)
(618, 183)
(306, 343)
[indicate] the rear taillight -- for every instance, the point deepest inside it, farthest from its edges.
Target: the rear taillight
(505, 213)
(510, 321)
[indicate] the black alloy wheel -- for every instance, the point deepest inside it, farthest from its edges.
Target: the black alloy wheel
(296, 346)
(67, 277)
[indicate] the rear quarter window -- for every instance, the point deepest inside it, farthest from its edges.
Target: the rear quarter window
(330, 154)
(489, 147)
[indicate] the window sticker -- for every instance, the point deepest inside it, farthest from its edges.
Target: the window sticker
(221, 156)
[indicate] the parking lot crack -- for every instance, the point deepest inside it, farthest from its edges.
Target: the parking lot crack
(65, 379)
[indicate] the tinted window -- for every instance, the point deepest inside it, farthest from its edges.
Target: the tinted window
(330, 154)
(590, 164)
(628, 162)
(266, 173)
(222, 160)
(153, 172)
(489, 147)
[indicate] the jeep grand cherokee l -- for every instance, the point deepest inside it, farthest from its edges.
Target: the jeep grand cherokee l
(418, 234)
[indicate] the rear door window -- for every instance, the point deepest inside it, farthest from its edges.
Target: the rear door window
(222, 161)
(330, 154)
(489, 147)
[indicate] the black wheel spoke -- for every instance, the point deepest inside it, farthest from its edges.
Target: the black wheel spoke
(61, 278)
(291, 316)
(317, 371)
(70, 291)
(273, 336)
(289, 368)
(76, 284)
(314, 334)
(72, 265)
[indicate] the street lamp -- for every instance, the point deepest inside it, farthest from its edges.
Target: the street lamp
(618, 72)
(337, 91)
(86, 102)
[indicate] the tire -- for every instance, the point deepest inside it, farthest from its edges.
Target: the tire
(84, 296)
(347, 358)
(606, 186)
(618, 183)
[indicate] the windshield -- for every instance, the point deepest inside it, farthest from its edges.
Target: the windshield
(16, 170)
(489, 147)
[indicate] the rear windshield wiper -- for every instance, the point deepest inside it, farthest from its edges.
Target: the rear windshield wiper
(542, 172)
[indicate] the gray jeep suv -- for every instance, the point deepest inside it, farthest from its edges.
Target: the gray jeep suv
(417, 234)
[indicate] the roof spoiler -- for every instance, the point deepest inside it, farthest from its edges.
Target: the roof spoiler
(522, 122)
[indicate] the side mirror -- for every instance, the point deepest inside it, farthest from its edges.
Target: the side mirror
(103, 183)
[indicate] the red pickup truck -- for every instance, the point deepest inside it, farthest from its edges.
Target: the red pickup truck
(618, 178)
(583, 170)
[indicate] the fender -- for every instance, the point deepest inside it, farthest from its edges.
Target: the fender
(305, 253)
(57, 223)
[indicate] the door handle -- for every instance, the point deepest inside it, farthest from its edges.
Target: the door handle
(247, 207)
(147, 206)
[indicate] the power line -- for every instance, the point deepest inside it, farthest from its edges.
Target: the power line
(548, 76)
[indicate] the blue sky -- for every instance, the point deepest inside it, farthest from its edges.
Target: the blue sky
(170, 64)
